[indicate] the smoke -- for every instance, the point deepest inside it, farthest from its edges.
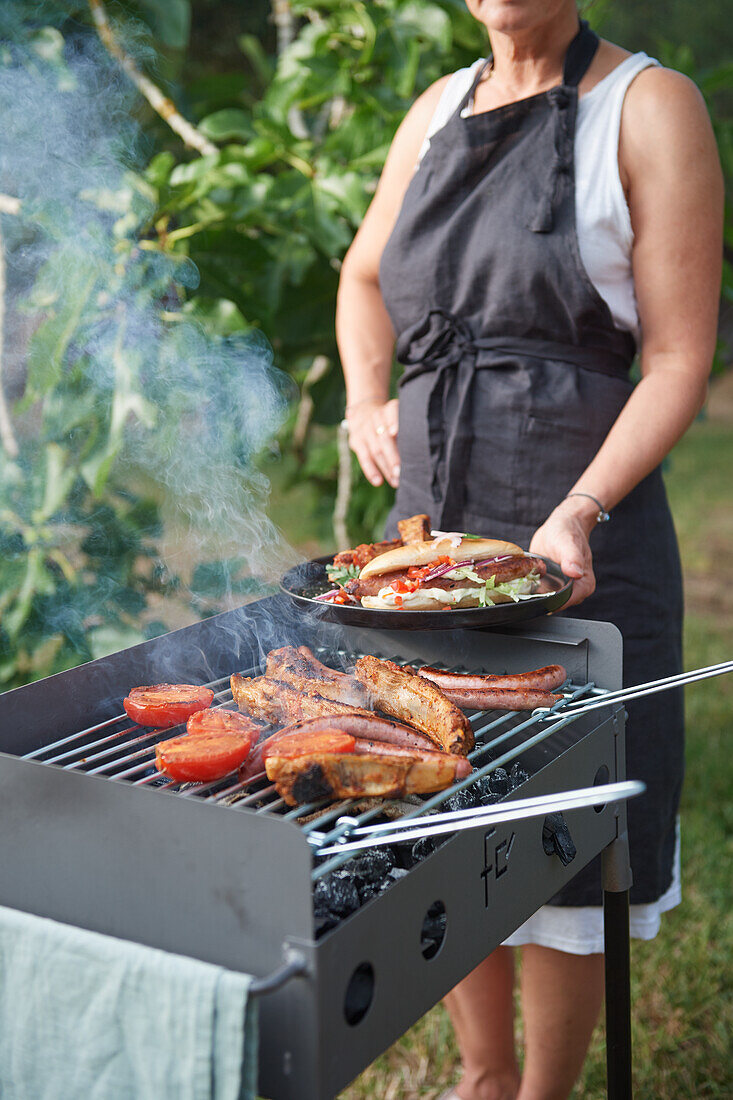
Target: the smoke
(127, 390)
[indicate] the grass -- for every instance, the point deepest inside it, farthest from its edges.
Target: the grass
(681, 981)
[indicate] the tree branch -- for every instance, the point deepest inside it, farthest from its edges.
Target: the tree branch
(7, 435)
(282, 17)
(160, 103)
(318, 368)
(343, 491)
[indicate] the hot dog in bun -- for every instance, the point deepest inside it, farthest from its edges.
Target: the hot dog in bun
(447, 572)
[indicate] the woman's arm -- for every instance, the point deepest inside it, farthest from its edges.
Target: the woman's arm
(363, 329)
(671, 174)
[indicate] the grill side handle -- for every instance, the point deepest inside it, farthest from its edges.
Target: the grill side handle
(294, 966)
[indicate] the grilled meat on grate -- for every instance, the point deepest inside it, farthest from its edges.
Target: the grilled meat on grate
(400, 692)
(275, 702)
(300, 669)
(351, 775)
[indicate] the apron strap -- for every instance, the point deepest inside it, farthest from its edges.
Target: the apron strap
(468, 97)
(580, 53)
(564, 103)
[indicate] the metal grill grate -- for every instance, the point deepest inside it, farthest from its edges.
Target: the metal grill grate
(120, 750)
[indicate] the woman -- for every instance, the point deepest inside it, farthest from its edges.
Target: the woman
(537, 213)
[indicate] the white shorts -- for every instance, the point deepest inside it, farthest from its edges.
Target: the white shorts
(579, 929)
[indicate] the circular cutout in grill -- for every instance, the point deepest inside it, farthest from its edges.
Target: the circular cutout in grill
(602, 776)
(432, 933)
(359, 994)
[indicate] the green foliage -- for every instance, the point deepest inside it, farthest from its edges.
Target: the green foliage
(149, 290)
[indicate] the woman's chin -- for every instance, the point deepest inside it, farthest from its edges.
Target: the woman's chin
(515, 16)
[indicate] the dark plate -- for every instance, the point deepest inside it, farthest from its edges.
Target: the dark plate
(305, 581)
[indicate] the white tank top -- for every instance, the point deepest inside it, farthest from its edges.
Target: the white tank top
(602, 217)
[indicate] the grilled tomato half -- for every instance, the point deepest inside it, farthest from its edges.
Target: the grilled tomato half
(201, 757)
(166, 705)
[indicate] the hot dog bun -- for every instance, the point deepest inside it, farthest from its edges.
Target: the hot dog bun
(424, 553)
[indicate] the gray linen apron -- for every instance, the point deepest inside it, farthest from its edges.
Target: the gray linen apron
(515, 373)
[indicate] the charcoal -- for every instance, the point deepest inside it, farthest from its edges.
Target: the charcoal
(368, 890)
(465, 799)
(424, 847)
(394, 876)
(337, 893)
(371, 866)
(499, 782)
(517, 775)
(484, 793)
(433, 929)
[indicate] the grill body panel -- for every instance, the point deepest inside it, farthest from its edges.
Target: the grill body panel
(233, 886)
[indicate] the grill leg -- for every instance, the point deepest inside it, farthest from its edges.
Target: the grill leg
(616, 883)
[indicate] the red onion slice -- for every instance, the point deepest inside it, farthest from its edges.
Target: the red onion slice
(442, 569)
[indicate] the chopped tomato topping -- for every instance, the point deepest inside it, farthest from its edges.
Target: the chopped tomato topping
(404, 586)
(420, 572)
(166, 705)
(308, 744)
(201, 757)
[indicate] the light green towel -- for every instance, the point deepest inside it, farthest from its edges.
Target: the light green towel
(89, 1017)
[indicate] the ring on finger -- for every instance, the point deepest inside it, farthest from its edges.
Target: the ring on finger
(381, 429)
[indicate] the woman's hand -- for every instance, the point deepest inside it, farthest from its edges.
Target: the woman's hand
(372, 438)
(563, 538)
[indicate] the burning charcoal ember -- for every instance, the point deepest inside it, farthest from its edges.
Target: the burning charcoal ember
(518, 775)
(337, 893)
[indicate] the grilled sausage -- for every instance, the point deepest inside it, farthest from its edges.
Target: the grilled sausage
(499, 699)
(369, 726)
(541, 679)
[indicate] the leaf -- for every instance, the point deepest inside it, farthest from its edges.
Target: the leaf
(252, 49)
(59, 479)
(50, 341)
(227, 125)
(37, 581)
(220, 315)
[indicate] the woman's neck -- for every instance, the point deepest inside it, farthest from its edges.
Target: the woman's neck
(526, 63)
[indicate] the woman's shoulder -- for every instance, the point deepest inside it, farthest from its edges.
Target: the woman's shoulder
(663, 110)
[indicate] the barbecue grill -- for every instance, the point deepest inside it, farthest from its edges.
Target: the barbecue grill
(96, 838)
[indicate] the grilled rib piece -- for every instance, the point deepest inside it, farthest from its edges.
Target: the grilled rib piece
(363, 553)
(399, 692)
(271, 701)
(414, 529)
(348, 775)
(300, 669)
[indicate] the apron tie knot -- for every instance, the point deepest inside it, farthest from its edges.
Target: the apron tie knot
(438, 340)
(444, 344)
